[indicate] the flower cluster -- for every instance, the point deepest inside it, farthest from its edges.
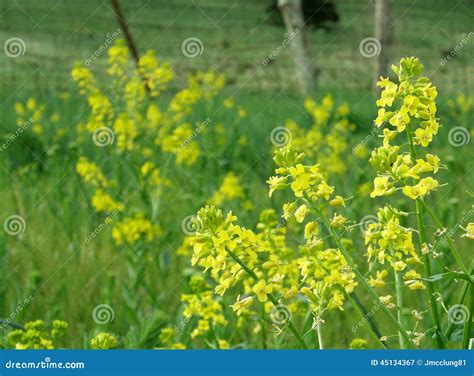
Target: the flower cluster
(327, 138)
(37, 335)
(407, 107)
(134, 229)
(230, 189)
(104, 341)
(326, 276)
(388, 241)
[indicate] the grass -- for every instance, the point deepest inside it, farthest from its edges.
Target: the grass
(67, 276)
(59, 33)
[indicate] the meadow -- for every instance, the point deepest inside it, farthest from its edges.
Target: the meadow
(115, 197)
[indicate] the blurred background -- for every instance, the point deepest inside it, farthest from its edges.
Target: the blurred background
(346, 44)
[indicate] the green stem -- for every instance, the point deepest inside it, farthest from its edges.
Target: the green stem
(426, 260)
(320, 336)
(356, 271)
(451, 245)
(274, 301)
(401, 318)
(468, 324)
(462, 296)
(262, 321)
(365, 315)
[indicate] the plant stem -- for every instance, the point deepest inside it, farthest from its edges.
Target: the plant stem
(468, 324)
(274, 301)
(446, 237)
(356, 271)
(462, 296)
(401, 318)
(365, 315)
(426, 260)
(320, 336)
(262, 320)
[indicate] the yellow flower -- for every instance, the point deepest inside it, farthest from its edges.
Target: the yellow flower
(310, 230)
(276, 183)
(412, 280)
(301, 213)
(133, 229)
(386, 299)
(104, 341)
(91, 173)
(338, 220)
(178, 346)
(379, 280)
(469, 231)
(424, 187)
(102, 202)
(261, 289)
(382, 186)
(324, 190)
(223, 344)
(399, 266)
(230, 189)
(241, 305)
(228, 103)
(337, 201)
(423, 136)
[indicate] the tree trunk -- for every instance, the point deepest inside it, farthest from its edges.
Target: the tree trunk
(128, 37)
(383, 26)
(292, 13)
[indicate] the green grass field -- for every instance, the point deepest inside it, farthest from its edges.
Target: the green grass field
(68, 276)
